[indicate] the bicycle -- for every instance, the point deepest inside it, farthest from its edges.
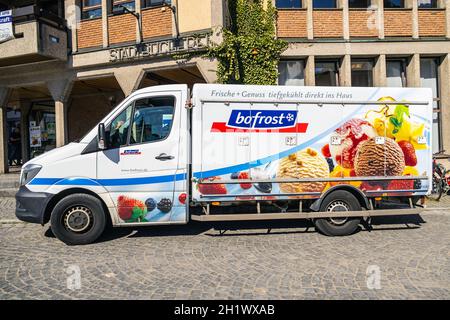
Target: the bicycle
(441, 183)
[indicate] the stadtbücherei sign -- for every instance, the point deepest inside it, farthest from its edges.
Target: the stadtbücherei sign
(162, 47)
(6, 26)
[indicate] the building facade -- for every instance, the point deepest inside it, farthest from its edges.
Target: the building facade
(398, 43)
(72, 61)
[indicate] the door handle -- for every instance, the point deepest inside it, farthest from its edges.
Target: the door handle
(164, 157)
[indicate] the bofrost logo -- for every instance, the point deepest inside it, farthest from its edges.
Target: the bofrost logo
(262, 119)
(268, 121)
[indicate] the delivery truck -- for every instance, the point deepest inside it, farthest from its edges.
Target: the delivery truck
(168, 155)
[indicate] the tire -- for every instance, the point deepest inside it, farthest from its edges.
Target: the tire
(437, 188)
(339, 200)
(78, 219)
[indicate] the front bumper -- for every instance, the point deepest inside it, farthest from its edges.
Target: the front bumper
(30, 206)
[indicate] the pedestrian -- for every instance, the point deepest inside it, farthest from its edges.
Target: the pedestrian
(15, 147)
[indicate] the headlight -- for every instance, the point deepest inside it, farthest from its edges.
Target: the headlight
(28, 173)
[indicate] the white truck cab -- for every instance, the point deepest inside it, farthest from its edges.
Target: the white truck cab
(163, 156)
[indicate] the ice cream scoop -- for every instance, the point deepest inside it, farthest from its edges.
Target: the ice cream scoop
(351, 133)
(374, 159)
(307, 163)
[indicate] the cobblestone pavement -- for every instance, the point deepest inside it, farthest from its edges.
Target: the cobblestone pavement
(195, 262)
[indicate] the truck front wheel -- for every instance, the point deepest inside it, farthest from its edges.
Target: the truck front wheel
(338, 201)
(78, 219)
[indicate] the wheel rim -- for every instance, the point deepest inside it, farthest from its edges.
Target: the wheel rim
(78, 219)
(338, 206)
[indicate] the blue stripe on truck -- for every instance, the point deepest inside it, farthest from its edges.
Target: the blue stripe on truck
(106, 182)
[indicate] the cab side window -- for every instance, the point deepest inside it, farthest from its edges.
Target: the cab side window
(152, 119)
(118, 131)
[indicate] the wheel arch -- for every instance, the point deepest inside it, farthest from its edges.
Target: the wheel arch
(362, 198)
(66, 192)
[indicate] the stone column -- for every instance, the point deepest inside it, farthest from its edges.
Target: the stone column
(447, 17)
(138, 10)
(310, 75)
(380, 71)
(61, 122)
(345, 19)
(309, 19)
(129, 78)
(4, 96)
(105, 10)
(415, 17)
(73, 16)
(345, 71)
(380, 18)
(413, 71)
(60, 90)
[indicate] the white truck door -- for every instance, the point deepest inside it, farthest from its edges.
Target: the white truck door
(141, 166)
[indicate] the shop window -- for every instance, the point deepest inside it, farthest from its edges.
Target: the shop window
(324, 4)
(362, 73)
(288, 4)
(429, 78)
(392, 4)
(42, 128)
(118, 5)
(359, 3)
(91, 9)
(152, 3)
(291, 73)
(152, 120)
(396, 73)
(326, 73)
(427, 3)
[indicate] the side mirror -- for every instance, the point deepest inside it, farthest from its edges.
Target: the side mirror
(101, 136)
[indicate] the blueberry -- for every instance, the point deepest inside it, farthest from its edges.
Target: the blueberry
(235, 175)
(151, 204)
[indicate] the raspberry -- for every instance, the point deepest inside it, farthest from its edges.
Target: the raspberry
(244, 175)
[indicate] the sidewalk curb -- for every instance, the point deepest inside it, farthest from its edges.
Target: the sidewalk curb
(12, 221)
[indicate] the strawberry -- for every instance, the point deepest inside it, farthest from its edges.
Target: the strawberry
(244, 175)
(326, 151)
(409, 152)
(126, 206)
(182, 198)
(211, 188)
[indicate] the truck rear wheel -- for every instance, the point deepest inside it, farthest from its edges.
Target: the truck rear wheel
(338, 201)
(78, 219)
